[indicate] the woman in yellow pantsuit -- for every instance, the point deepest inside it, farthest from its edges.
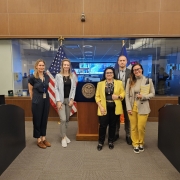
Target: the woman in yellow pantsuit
(139, 90)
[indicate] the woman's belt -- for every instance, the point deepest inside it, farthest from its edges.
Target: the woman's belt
(110, 101)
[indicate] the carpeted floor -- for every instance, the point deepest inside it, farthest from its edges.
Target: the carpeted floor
(81, 160)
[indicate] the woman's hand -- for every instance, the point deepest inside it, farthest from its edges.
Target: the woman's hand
(59, 105)
(139, 96)
(71, 102)
(130, 112)
(103, 111)
(115, 97)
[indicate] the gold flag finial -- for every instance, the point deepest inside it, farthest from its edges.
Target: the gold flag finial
(61, 39)
(123, 43)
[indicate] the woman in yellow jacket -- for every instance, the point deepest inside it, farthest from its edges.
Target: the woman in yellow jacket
(109, 94)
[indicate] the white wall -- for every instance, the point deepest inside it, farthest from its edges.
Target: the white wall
(6, 70)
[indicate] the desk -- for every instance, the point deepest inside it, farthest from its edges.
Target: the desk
(169, 133)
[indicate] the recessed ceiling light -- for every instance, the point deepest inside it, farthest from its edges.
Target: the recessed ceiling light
(72, 46)
(87, 46)
(88, 52)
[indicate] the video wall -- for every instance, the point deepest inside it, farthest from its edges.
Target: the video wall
(91, 72)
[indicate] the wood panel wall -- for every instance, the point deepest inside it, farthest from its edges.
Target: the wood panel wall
(104, 18)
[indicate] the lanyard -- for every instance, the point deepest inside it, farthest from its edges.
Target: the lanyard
(44, 85)
(122, 76)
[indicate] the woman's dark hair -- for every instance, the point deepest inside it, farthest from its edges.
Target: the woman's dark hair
(132, 75)
(104, 74)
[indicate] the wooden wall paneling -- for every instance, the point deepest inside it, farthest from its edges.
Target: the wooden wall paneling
(115, 6)
(71, 6)
(55, 24)
(4, 24)
(141, 5)
(25, 24)
(114, 24)
(169, 23)
(142, 23)
(94, 6)
(169, 5)
(94, 24)
(24, 6)
(3, 6)
(76, 26)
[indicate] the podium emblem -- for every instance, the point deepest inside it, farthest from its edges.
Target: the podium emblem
(88, 90)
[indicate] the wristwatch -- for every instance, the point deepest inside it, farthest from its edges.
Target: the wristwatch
(119, 97)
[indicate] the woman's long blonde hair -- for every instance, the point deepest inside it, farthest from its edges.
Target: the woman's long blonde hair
(36, 74)
(62, 70)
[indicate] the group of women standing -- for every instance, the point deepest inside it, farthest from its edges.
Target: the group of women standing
(65, 87)
(109, 95)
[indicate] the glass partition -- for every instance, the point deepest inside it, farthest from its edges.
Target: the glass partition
(159, 57)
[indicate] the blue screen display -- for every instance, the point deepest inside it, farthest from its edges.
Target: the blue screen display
(91, 72)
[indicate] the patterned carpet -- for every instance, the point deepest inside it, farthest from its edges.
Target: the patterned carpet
(81, 161)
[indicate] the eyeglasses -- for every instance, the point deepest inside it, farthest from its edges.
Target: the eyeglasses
(134, 70)
(109, 72)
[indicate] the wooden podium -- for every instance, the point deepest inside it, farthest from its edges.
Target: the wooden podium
(86, 115)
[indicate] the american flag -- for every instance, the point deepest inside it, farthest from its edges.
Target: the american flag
(53, 70)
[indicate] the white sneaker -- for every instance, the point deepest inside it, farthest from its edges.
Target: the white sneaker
(141, 148)
(64, 143)
(67, 139)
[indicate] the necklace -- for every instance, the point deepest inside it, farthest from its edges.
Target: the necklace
(65, 78)
(110, 87)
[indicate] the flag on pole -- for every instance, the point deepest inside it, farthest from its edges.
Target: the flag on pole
(123, 53)
(52, 71)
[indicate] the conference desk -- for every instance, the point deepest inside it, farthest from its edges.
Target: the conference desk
(12, 134)
(169, 133)
(25, 103)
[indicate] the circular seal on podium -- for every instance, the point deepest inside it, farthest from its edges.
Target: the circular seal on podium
(88, 90)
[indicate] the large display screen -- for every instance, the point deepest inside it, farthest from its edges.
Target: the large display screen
(91, 72)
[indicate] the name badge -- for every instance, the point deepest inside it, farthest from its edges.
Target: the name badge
(44, 95)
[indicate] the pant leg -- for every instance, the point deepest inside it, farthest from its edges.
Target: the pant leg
(37, 111)
(142, 119)
(134, 128)
(67, 111)
(103, 122)
(112, 120)
(45, 113)
(62, 116)
(127, 121)
(117, 127)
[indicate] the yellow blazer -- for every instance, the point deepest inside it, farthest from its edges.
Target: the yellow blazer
(118, 90)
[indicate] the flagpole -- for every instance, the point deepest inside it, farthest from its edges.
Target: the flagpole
(60, 39)
(123, 43)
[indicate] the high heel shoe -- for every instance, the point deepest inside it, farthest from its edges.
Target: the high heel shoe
(111, 145)
(99, 147)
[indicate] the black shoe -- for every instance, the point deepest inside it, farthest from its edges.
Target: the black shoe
(116, 137)
(128, 140)
(111, 145)
(99, 147)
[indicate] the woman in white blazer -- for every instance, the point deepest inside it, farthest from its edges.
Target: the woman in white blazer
(65, 88)
(139, 90)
